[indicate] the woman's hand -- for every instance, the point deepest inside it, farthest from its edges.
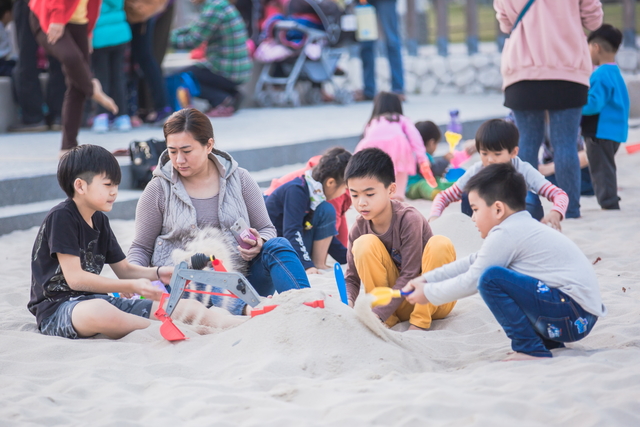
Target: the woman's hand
(256, 246)
(55, 32)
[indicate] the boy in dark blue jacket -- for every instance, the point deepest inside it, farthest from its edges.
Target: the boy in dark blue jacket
(301, 214)
(605, 117)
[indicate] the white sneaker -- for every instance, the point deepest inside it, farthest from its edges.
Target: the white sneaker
(100, 123)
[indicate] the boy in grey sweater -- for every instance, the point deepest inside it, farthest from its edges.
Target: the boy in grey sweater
(537, 283)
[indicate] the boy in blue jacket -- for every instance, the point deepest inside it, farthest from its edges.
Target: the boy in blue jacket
(605, 117)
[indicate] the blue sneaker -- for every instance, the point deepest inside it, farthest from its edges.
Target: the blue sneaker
(122, 123)
(100, 123)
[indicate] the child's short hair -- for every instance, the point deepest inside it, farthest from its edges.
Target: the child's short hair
(497, 135)
(607, 36)
(428, 130)
(332, 165)
(500, 182)
(371, 163)
(85, 162)
(5, 6)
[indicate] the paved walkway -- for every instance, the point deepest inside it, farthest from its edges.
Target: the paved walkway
(35, 154)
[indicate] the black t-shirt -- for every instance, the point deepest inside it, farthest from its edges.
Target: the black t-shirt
(65, 231)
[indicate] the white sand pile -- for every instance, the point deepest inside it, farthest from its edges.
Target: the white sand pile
(303, 366)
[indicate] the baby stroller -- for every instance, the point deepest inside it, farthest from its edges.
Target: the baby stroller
(277, 82)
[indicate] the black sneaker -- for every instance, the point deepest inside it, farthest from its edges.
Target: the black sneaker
(40, 126)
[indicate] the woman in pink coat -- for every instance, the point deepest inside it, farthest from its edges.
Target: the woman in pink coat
(546, 67)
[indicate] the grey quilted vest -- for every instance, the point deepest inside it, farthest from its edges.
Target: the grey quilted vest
(179, 221)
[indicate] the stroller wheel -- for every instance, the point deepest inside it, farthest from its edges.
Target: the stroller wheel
(343, 96)
(313, 96)
(288, 99)
(265, 99)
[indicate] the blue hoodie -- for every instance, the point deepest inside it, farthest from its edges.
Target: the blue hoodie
(289, 206)
(112, 28)
(606, 115)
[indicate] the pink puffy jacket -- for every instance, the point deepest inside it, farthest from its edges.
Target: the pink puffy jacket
(549, 42)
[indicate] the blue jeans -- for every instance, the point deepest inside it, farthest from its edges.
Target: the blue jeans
(388, 18)
(323, 225)
(564, 127)
(534, 206)
(277, 268)
(535, 317)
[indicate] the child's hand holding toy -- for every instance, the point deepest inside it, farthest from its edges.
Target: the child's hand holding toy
(416, 287)
(427, 174)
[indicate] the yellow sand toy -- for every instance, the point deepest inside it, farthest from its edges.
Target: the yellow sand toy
(453, 139)
(384, 295)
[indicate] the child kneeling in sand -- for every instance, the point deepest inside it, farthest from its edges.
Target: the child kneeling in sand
(68, 295)
(391, 242)
(536, 281)
(497, 142)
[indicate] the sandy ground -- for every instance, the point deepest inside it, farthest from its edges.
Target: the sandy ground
(301, 366)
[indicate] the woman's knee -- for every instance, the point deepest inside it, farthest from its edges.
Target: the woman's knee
(276, 244)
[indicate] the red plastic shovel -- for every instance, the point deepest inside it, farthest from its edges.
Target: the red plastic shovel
(168, 330)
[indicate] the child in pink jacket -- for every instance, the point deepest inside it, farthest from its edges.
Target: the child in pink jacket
(397, 136)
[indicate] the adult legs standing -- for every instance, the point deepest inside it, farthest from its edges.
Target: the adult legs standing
(25, 76)
(388, 17)
(108, 68)
(602, 165)
(72, 50)
(564, 126)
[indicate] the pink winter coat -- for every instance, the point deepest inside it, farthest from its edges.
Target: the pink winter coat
(549, 42)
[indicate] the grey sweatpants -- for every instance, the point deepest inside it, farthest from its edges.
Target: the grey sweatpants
(602, 166)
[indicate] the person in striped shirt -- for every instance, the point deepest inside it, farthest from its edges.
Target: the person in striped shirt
(497, 142)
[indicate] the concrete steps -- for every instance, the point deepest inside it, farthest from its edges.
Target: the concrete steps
(25, 200)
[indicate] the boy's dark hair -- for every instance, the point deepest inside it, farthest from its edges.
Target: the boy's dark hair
(500, 182)
(5, 6)
(607, 36)
(497, 135)
(85, 162)
(332, 165)
(371, 163)
(387, 104)
(428, 130)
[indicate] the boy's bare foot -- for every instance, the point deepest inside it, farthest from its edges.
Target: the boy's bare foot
(521, 356)
(102, 98)
(416, 328)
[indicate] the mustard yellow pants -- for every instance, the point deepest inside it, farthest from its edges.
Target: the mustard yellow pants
(376, 268)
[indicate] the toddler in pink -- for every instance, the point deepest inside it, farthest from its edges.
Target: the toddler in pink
(397, 136)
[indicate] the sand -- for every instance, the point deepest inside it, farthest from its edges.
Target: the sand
(302, 366)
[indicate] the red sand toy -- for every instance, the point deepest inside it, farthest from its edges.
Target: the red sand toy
(235, 283)
(633, 148)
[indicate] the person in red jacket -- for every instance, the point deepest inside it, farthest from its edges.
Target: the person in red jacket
(341, 203)
(63, 28)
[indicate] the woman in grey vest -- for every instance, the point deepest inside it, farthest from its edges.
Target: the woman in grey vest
(196, 186)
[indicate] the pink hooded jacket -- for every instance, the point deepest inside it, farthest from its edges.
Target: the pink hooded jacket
(549, 42)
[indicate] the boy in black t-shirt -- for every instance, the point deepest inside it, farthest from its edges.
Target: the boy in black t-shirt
(68, 295)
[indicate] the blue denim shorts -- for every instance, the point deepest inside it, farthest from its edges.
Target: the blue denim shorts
(59, 323)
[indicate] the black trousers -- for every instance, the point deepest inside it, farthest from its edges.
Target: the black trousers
(27, 89)
(602, 165)
(108, 68)
(142, 54)
(213, 87)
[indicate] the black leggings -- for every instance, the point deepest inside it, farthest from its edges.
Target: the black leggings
(142, 54)
(213, 87)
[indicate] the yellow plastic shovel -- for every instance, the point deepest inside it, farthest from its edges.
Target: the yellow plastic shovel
(384, 295)
(452, 139)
